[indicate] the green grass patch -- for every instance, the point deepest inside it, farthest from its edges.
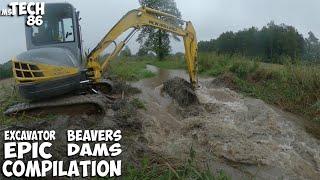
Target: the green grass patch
(151, 167)
(171, 62)
(166, 172)
(138, 103)
(134, 68)
(130, 69)
(8, 97)
(154, 170)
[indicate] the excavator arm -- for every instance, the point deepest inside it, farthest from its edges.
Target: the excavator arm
(137, 19)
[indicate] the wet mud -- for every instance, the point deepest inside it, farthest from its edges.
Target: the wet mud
(181, 91)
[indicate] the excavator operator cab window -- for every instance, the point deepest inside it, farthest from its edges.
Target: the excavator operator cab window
(57, 27)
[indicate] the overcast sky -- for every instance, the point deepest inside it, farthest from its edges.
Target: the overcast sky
(210, 17)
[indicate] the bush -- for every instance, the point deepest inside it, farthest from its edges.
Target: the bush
(6, 70)
(243, 68)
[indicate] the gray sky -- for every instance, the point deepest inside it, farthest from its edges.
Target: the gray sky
(210, 17)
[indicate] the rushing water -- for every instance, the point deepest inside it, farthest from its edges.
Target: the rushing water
(242, 136)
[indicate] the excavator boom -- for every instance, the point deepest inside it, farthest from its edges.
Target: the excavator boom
(137, 19)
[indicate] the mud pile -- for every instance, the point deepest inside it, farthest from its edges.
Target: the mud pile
(125, 114)
(181, 91)
(224, 80)
(120, 87)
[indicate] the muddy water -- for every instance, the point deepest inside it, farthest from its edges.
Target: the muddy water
(243, 136)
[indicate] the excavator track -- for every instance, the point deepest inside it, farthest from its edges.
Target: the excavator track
(100, 101)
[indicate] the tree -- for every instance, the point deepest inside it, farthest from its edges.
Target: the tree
(6, 70)
(156, 40)
(226, 43)
(312, 38)
(126, 52)
(312, 48)
(142, 52)
(207, 46)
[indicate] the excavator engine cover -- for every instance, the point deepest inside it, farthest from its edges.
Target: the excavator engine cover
(43, 76)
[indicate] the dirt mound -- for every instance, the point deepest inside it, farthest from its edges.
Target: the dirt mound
(125, 113)
(181, 91)
(224, 80)
(120, 86)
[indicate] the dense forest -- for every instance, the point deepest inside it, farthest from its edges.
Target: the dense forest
(273, 43)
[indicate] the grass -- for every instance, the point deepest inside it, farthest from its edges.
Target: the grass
(130, 69)
(9, 96)
(148, 170)
(171, 62)
(134, 68)
(166, 172)
(138, 104)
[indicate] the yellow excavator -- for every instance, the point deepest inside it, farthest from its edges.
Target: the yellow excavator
(53, 64)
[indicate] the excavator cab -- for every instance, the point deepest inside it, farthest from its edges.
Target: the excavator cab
(53, 62)
(59, 29)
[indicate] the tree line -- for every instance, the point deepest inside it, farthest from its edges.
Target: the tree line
(273, 43)
(5, 70)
